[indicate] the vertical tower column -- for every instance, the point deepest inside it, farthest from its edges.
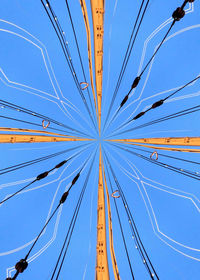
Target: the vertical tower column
(102, 271)
(97, 7)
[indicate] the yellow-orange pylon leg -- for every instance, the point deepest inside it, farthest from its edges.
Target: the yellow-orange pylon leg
(167, 141)
(87, 26)
(178, 141)
(102, 271)
(97, 7)
(23, 138)
(112, 251)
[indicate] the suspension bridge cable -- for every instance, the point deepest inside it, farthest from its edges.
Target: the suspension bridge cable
(60, 34)
(127, 56)
(42, 230)
(163, 155)
(128, 52)
(121, 228)
(62, 200)
(166, 118)
(71, 226)
(32, 123)
(38, 160)
(17, 192)
(23, 264)
(188, 173)
(161, 101)
(139, 244)
(35, 114)
(154, 54)
(137, 79)
(177, 15)
(79, 54)
(31, 162)
(172, 116)
(38, 178)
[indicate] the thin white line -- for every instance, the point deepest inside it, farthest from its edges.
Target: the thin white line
(175, 192)
(26, 87)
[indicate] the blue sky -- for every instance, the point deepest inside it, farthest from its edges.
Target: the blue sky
(34, 74)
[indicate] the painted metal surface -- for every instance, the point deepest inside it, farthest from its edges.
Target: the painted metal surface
(88, 32)
(102, 271)
(97, 7)
(178, 141)
(112, 250)
(32, 138)
(166, 141)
